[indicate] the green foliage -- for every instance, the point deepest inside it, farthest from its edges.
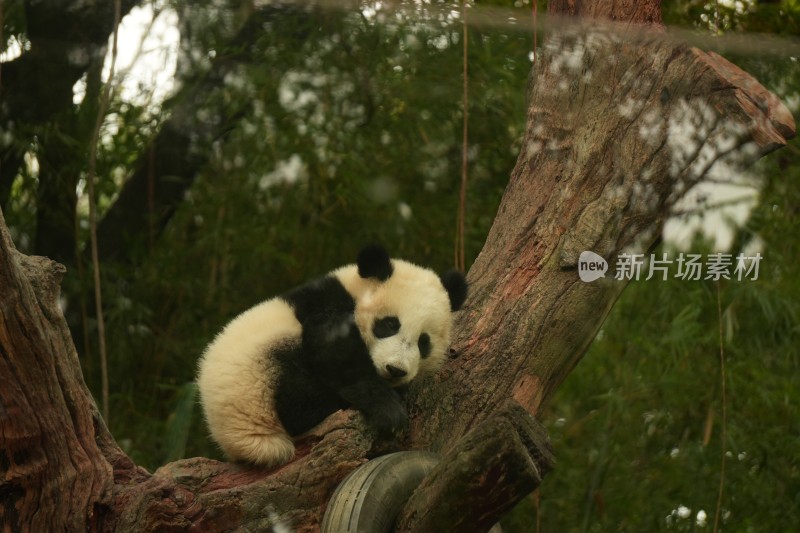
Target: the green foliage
(775, 17)
(14, 24)
(179, 423)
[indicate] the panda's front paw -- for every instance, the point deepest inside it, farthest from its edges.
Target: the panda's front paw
(390, 420)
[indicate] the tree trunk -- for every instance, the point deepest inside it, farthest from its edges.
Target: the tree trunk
(54, 472)
(620, 126)
(65, 36)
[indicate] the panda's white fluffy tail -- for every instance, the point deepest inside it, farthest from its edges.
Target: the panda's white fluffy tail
(236, 378)
(268, 450)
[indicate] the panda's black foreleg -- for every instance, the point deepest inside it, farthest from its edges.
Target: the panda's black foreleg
(334, 349)
(381, 404)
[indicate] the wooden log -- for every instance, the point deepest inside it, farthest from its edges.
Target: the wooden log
(488, 472)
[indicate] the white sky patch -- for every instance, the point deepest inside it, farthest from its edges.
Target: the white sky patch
(289, 171)
(369, 11)
(703, 146)
(718, 224)
(440, 42)
(14, 49)
(405, 211)
(741, 6)
(147, 56)
(294, 93)
(792, 101)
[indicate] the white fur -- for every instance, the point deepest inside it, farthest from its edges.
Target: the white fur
(416, 296)
(234, 379)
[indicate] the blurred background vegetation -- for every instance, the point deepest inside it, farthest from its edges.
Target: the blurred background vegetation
(247, 148)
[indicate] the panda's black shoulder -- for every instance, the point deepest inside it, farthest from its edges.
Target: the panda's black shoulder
(323, 296)
(331, 340)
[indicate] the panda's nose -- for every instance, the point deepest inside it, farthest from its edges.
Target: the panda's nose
(396, 372)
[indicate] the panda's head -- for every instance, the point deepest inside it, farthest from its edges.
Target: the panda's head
(404, 313)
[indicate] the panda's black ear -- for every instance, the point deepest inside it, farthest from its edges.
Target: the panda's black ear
(456, 286)
(373, 262)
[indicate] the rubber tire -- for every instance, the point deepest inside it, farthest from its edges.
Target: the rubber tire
(370, 498)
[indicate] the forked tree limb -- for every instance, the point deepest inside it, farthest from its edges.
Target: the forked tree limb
(619, 128)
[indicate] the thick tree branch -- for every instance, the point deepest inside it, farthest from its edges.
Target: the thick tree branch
(53, 473)
(626, 11)
(619, 127)
(485, 474)
(211, 496)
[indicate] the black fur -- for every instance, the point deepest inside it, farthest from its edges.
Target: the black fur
(424, 345)
(373, 262)
(300, 401)
(386, 327)
(456, 286)
(332, 368)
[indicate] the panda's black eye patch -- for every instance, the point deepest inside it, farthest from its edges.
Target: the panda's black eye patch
(386, 327)
(424, 344)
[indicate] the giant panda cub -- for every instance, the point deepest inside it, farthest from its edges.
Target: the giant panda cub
(344, 340)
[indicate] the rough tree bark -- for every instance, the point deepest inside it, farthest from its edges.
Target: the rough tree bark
(620, 126)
